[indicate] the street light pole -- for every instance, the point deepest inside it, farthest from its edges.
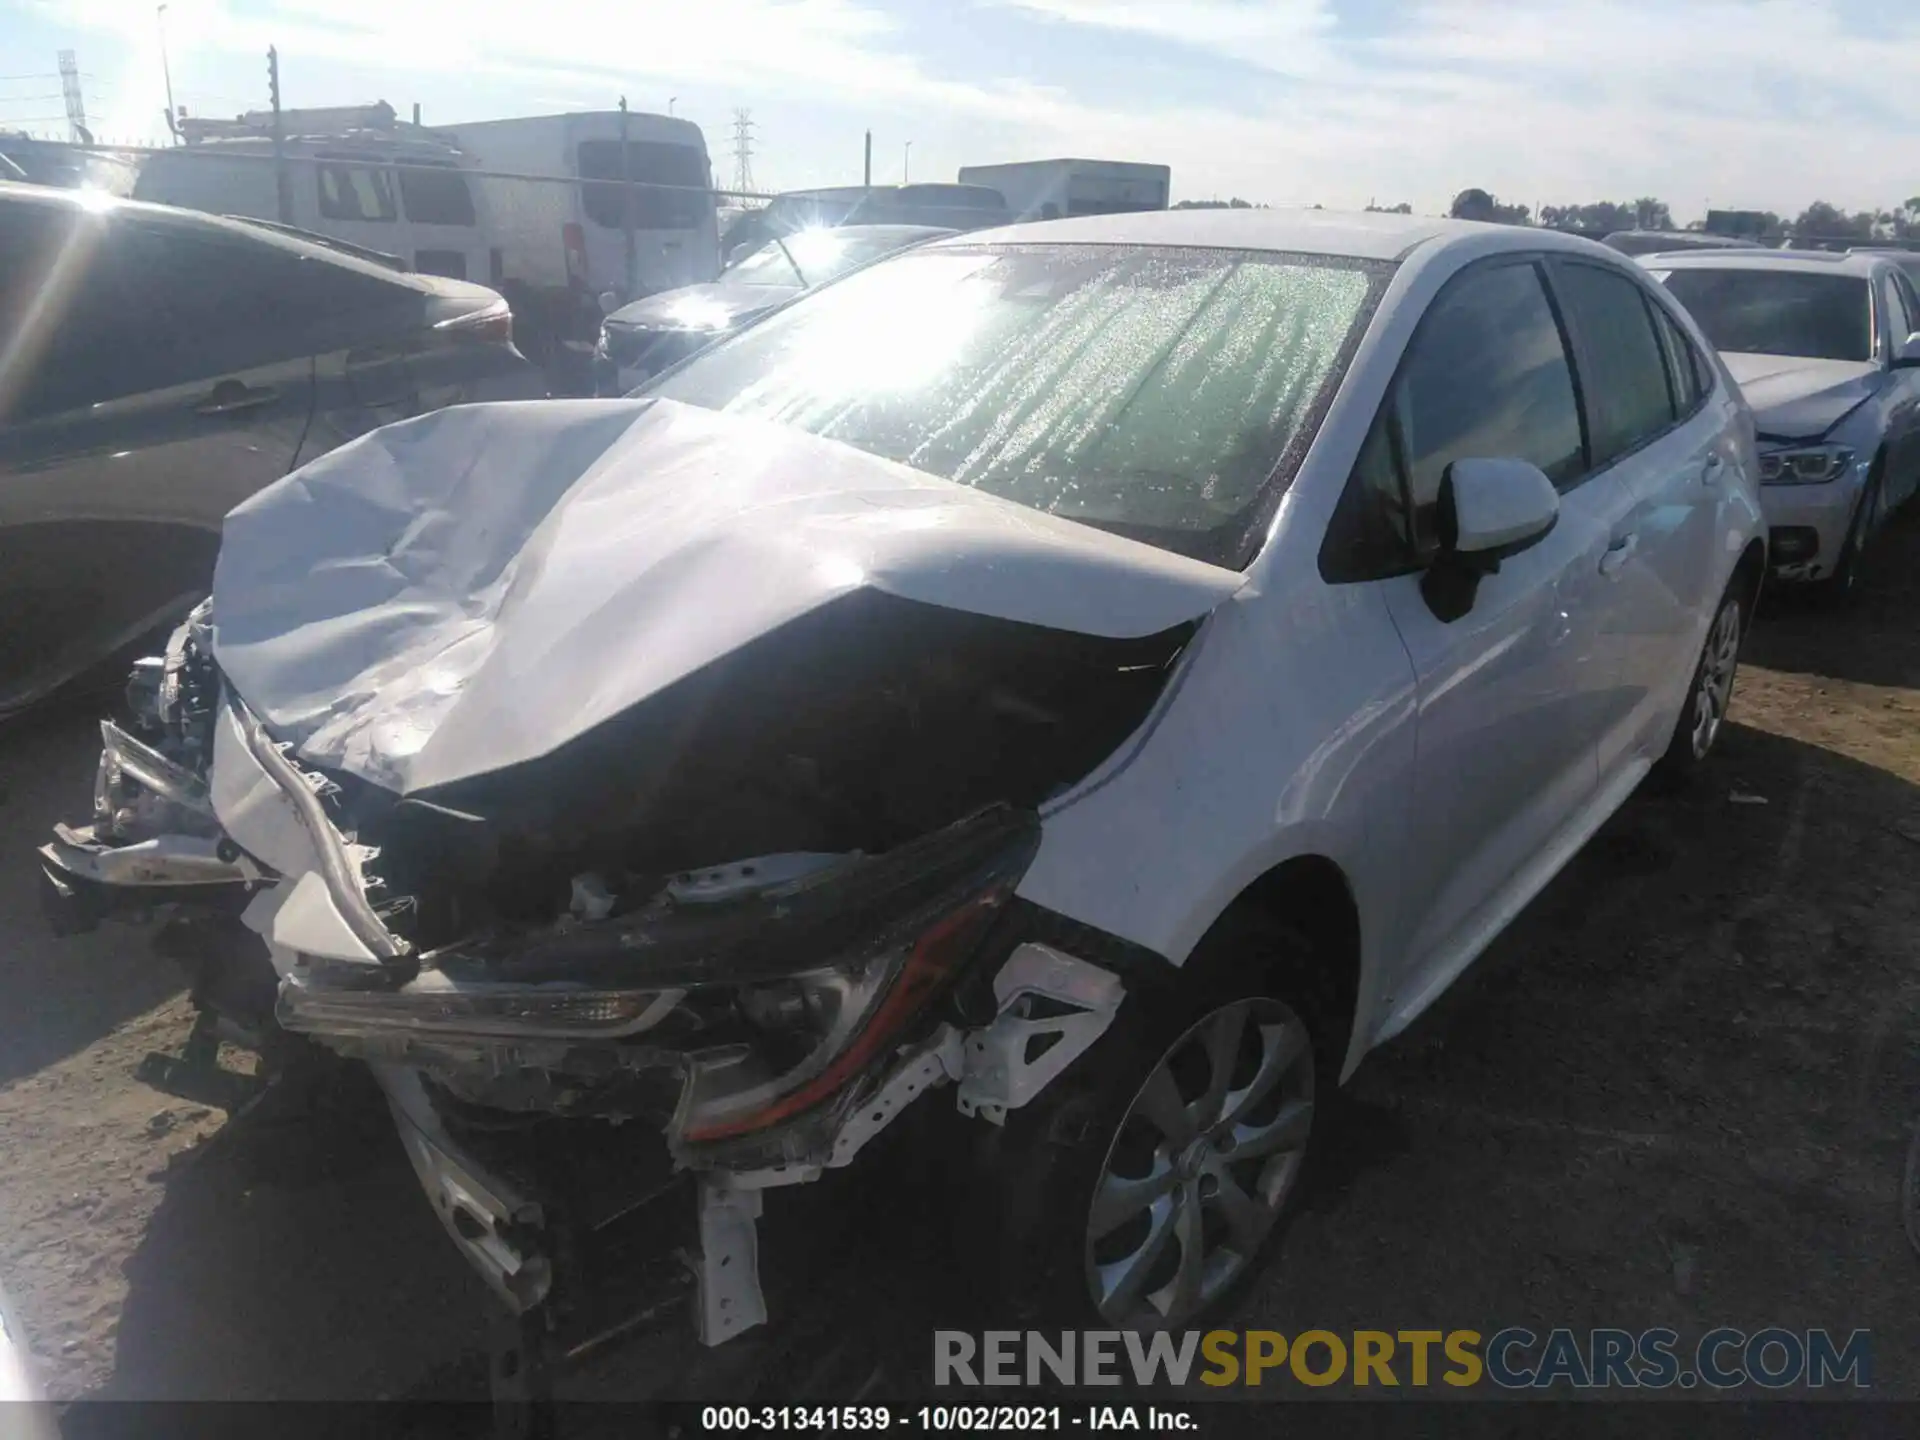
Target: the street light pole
(906, 163)
(671, 102)
(160, 19)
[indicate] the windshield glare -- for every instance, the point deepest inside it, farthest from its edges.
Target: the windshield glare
(1780, 312)
(820, 254)
(1151, 392)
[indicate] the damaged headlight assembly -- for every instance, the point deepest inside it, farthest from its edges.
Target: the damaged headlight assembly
(766, 1005)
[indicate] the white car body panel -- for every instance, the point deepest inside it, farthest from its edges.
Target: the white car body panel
(1252, 767)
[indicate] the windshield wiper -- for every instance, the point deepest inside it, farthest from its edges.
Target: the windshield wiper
(791, 261)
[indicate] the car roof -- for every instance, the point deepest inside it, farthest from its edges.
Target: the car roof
(1366, 235)
(84, 202)
(905, 234)
(1804, 261)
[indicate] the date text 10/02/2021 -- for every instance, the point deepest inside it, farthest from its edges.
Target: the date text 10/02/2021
(936, 1419)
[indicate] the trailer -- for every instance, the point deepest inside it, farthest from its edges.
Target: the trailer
(1051, 189)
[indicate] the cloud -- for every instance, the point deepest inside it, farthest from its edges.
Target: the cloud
(1765, 103)
(1762, 102)
(1286, 36)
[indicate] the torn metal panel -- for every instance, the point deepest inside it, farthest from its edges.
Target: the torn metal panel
(464, 592)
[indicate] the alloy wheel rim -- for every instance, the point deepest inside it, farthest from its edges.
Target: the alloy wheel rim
(1714, 693)
(1201, 1166)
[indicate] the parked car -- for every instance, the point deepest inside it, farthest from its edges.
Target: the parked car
(1824, 347)
(1652, 242)
(159, 366)
(1124, 668)
(640, 340)
(947, 207)
(63, 166)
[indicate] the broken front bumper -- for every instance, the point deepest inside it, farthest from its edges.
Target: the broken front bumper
(766, 1031)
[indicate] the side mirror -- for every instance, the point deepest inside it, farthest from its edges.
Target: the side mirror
(1906, 353)
(1487, 510)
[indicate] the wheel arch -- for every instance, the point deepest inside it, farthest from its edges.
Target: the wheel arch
(1314, 893)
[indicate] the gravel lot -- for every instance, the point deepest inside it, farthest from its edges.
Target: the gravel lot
(1677, 1092)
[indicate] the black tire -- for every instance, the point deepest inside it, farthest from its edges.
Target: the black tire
(1693, 740)
(1839, 588)
(1052, 1154)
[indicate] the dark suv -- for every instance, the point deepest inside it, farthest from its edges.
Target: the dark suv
(159, 366)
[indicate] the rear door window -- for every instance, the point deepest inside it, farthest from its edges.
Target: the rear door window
(355, 191)
(1623, 364)
(435, 195)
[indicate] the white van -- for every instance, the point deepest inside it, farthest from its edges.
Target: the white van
(564, 246)
(407, 197)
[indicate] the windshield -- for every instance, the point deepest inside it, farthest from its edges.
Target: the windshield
(1779, 312)
(1162, 394)
(819, 254)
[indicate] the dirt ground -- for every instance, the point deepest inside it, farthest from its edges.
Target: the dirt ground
(1677, 1092)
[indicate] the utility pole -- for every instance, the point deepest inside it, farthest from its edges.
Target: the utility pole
(626, 202)
(867, 174)
(282, 182)
(166, 73)
(906, 163)
(76, 103)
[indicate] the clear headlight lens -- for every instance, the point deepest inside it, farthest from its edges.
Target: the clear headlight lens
(1804, 465)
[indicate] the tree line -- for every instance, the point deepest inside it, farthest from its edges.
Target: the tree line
(1819, 220)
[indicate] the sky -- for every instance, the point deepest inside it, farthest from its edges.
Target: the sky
(1754, 104)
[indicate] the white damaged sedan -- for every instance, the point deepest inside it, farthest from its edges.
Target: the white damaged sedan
(1120, 669)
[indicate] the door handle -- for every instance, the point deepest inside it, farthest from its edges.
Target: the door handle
(1710, 472)
(230, 398)
(1618, 553)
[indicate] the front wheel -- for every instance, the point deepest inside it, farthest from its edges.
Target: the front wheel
(1144, 1190)
(1704, 714)
(1201, 1166)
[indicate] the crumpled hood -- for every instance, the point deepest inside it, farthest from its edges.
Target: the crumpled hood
(460, 593)
(721, 304)
(1799, 399)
